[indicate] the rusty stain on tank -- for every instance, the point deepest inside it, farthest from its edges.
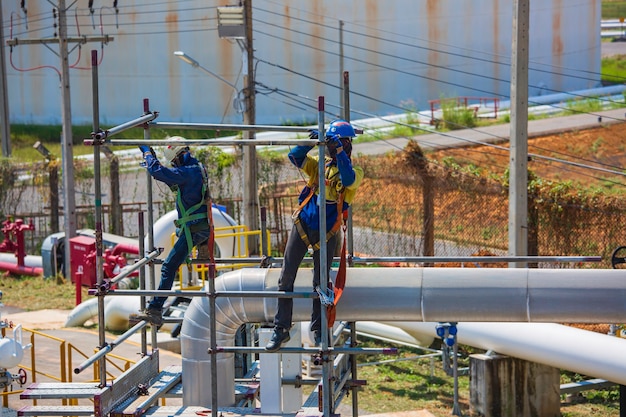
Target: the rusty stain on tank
(495, 39)
(317, 44)
(372, 16)
(171, 23)
(557, 40)
(287, 24)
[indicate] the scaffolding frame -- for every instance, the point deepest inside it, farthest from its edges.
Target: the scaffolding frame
(330, 400)
(102, 138)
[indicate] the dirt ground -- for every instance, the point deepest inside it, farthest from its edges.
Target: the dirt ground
(602, 147)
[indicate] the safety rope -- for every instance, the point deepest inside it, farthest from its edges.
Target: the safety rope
(340, 283)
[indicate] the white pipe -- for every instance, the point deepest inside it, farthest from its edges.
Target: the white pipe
(117, 311)
(164, 229)
(32, 261)
(587, 353)
(399, 294)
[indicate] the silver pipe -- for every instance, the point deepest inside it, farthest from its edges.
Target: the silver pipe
(142, 280)
(98, 201)
(421, 259)
(309, 350)
(399, 294)
(109, 347)
(201, 293)
(132, 268)
(238, 127)
(212, 142)
(472, 259)
(323, 253)
(99, 136)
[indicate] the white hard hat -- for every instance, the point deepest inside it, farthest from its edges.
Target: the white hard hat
(172, 150)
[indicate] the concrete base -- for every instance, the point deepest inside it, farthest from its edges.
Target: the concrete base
(502, 386)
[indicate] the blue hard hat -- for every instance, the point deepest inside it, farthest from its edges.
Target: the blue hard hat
(340, 128)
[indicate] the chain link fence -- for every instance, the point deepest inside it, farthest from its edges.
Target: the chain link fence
(403, 208)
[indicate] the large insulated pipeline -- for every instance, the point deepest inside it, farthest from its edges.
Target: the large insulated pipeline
(564, 347)
(397, 294)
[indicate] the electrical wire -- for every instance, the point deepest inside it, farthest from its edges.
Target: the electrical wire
(471, 54)
(388, 68)
(356, 47)
(494, 146)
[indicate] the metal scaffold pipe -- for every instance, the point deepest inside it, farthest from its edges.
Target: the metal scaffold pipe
(216, 126)
(207, 142)
(100, 135)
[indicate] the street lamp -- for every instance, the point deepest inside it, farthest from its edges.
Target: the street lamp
(249, 200)
(186, 58)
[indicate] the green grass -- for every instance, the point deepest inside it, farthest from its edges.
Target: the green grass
(614, 69)
(35, 293)
(613, 9)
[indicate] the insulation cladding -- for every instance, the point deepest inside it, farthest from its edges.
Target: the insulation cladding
(399, 53)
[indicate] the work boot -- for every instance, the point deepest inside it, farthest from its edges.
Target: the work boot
(151, 315)
(317, 338)
(279, 337)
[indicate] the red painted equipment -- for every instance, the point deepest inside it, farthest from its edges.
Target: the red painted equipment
(83, 259)
(14, 242)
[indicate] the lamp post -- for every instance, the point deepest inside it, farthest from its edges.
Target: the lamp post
(186, 58)
(53, 183)
(249, 200)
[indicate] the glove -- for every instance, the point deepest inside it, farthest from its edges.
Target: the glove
(314, 134)
(146, 148)
(334, 145)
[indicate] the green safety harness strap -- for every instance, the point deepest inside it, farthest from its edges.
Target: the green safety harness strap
(185, 218)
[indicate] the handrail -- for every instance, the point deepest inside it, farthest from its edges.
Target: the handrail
(65, 363)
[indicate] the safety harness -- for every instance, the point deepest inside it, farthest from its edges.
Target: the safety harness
(341, 214)
(332, 296)
(188, 215)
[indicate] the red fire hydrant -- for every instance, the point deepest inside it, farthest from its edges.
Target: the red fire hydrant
(16, 231)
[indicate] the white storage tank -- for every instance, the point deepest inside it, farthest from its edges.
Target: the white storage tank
(400, 54)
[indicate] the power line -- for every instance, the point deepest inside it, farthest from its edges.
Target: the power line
(422, 76)
(472, 54)
(537, 157)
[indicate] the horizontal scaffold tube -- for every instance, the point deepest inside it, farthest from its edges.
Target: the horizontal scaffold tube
(398, 294)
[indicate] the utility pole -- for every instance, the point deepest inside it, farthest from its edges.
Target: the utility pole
(4, 100)
(250, 203)
(518, 153)
(69, 200)
(342, 101)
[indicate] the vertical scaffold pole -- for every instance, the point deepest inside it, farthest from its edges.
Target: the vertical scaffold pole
(326, 362)
(98, 222)
(350, 237)
(146, 135)
(213, 334)
(142, 280)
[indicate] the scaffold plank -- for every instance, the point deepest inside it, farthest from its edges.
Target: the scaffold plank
(141, 400)
(126, 384)
(51, 390)
(52, 410)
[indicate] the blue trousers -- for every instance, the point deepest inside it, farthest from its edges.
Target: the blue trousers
(295, 250)
(174, 260)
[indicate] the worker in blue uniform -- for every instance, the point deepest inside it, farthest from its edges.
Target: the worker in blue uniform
(341, 182)
(188, 178)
